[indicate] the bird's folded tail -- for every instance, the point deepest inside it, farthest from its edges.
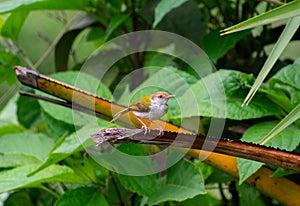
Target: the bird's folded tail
(118, 114)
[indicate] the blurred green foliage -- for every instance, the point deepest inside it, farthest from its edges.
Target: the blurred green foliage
(42, 159)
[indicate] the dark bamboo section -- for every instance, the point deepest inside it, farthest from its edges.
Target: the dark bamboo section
(241, 149)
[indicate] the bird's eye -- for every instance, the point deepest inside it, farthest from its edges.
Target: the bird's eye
(160, 96)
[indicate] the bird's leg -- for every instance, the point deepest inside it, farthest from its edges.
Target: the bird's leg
(161, 131)
(144, 125)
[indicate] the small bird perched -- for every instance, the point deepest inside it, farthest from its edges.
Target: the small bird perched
(150, 107)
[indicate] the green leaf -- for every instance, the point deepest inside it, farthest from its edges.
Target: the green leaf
(9, 128)
(188, 13)
(247, 168)
(17, 178)
(7, 61)
(21, 197)
(69, 146)
(279, 97)
(8, 109)
(183, 181)
(96, 36)
(158, 60)
(37, 145)
(248, 196)
(289, 10)
(206, 199)
(289, 75)
(278, 48)
(288, 140)
(82, 196)
(7, 93)
(85, 170)
(63, 48)
(58, 143)
(129, 164)
(56, 128)
(142, 185)
(13, 25)
(283, 124)
(49, 161)
(216, 46)
(116, 195)
(114, 24)
(8, 6)
(66, 43)
(8, 90)
(220, 95)
(169, 78)
(28, 111)
(27, 5)
(286, 79)
(205, 169)
(164, 7)
(279, 172)
(284, 82)
(15, 160)
(219, 176)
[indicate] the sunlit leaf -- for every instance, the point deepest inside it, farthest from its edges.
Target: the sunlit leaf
(290, 29)
(183, 181)
(13, 25)
(37, 145)
(27, 5)
(114, 24)
(164, 7)
(65, 147)
(283, 124)
(17, 178)
(82, 196)
(7, 127)
(220, 95)
(216, 46)
(291, 9)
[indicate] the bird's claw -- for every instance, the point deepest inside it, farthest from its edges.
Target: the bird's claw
(146, 129)
(161, 132)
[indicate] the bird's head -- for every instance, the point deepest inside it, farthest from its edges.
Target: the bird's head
(161, 97)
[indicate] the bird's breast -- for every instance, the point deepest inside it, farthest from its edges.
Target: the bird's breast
(155, 112)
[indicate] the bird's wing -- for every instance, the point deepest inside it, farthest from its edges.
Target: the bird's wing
(142, 105)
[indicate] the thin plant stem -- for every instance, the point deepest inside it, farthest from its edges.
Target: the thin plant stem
(56, 40)
(9, 92)
(14, 48)
(54, 194)
(274, 2)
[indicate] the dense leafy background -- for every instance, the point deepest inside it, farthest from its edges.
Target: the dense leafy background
(42, 161)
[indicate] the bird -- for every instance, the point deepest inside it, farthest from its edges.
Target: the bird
(151, 107)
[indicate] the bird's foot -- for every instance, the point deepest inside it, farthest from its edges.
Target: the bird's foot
(161, 132)
(147, 129)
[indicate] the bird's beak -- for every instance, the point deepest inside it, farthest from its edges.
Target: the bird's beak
(171, 96)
